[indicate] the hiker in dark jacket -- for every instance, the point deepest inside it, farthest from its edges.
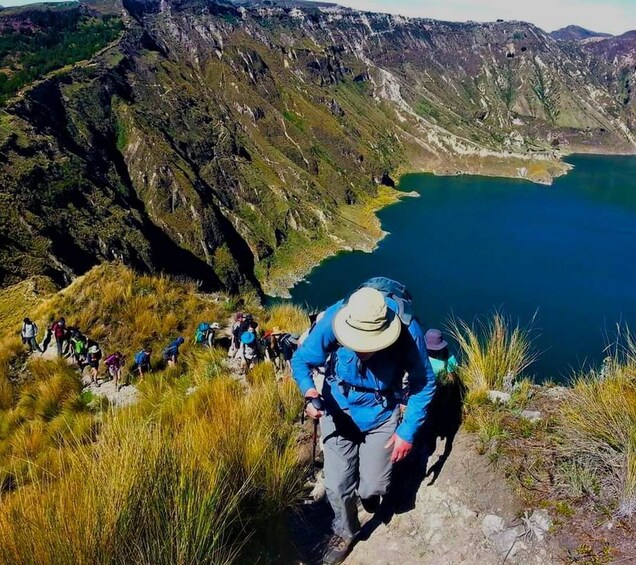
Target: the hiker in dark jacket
(59, 332)
(29, 334)
(271, 347)
(171, 352)
(93, 357)
(288, 344)
(370, 350)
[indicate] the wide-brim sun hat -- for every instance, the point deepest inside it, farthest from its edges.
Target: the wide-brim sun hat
(365, 324)
(247, 338)
(435, 340)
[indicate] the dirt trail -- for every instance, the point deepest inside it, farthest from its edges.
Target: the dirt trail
(467, 514)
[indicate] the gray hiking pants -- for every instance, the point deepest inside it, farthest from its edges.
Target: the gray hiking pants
(355, 462)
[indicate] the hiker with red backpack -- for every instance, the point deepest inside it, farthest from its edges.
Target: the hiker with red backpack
(58, 329)
(367, 342)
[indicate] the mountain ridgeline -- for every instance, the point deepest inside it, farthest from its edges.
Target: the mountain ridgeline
(224, 142)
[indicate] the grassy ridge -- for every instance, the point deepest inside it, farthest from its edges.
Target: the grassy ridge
(197, 471)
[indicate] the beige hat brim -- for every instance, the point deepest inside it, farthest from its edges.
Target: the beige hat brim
(365, 341)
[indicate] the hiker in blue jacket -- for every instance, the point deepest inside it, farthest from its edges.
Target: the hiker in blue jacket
(369, 351)
(171, 352)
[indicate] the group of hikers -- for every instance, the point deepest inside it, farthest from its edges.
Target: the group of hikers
(275, 345)
(366, 369)
(72, 343)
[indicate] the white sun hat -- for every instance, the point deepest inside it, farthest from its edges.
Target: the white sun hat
(365, 324)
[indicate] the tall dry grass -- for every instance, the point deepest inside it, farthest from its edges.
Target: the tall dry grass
(124, 310)
(288, 317)
(492, 350)
(597, 427)
(50, 412)
(193, 489)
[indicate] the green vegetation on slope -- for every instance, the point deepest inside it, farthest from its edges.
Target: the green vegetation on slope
(35, 41)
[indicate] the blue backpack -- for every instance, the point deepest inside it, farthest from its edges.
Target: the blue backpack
(397, 292)
(202, 332)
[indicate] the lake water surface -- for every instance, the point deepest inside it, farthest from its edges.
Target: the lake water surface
(470, 245)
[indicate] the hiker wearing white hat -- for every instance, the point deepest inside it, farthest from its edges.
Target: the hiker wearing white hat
(369, 350)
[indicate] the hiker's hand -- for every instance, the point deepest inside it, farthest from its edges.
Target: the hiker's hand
(401, 448)
(310, 410)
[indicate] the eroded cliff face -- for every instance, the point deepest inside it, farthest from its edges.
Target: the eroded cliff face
(213, 141)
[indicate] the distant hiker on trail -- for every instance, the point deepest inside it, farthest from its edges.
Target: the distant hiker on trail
(48, 336)
(205, 333)
(236, 334)
(242, 324)
(248, 351)
(59, 332)
(444, 364)
(79, 347)
(271, 347)
(171, 352)
(115, 363)
(370, 348)
(93, 357)
(29, 334)
(142, 362)
(288, 344)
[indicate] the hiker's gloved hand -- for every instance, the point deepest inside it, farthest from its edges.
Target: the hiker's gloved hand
(401, 448)
(310, 410)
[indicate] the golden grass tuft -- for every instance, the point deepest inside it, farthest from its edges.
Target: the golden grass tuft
(491, 351)
(597, 426)
(288, 317)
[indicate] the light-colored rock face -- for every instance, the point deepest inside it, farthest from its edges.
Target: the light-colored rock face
(210, 136)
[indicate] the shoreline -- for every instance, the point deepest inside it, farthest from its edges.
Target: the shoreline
(279, 285)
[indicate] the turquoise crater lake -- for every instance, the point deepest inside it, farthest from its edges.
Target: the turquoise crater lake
(469, 245)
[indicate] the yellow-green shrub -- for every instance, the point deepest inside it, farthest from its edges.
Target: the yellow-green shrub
(491, 350)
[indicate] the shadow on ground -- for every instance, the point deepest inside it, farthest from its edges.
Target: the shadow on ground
(311, 525)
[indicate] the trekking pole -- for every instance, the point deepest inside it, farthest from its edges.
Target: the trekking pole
(313, 452)
(318, 404)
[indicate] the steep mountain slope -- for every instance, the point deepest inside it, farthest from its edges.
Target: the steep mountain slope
(232, 143)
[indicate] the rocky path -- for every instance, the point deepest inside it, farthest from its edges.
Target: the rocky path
(125, 396)
(462, 512)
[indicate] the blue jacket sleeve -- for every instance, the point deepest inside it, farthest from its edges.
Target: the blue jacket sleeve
(421, 385)
(314, 351)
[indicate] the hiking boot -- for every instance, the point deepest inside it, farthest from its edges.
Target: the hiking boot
(371, 504)
(337, 550)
